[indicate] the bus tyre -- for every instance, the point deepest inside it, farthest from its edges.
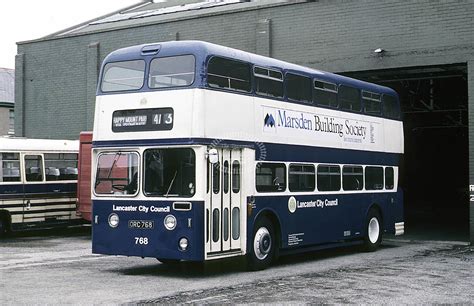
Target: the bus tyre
(3, 225)
(373, 230)
(262, 248)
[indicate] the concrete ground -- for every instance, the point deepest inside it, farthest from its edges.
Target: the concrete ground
(57, 267)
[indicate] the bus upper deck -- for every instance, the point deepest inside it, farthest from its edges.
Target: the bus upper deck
(173, 88)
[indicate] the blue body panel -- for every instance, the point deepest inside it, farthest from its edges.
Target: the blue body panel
(162, 243)
(323, 224)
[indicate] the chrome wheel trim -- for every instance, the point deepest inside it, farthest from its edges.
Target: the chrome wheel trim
(374, 230)
(262, 243)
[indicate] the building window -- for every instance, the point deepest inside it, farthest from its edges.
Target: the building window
(11, 118)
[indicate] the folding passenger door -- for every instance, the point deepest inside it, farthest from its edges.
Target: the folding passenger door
(223, 204)
(34, 188)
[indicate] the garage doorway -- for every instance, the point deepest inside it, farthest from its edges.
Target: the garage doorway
(435, 167)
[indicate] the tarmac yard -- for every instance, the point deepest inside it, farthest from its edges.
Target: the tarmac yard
(57, 267)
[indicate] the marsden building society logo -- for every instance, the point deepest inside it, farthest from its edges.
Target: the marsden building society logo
(269, 121)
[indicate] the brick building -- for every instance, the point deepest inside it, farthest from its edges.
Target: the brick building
(7, 103)
(425, 51)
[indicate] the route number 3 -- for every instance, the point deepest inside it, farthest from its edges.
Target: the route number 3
(141, 240)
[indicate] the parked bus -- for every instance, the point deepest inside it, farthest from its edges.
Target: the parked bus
(37, 183)
(84, 202)
(203, 152)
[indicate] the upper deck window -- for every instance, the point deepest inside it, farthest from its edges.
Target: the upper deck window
(298, 88)
(325, 93)
(123, 76)
(268, 82)
(372, 102)
(229, 74)
(349, 98)
(390, 107)
(172, 71)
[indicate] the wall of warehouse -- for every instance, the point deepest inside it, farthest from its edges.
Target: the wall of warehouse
(56, 78)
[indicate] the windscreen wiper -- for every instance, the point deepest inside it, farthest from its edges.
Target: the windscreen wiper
(171, 184)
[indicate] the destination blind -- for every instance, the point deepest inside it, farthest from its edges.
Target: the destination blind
(139, 120)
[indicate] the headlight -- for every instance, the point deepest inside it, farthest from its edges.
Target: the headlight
(113, 220)
(183, 244)
(170, 222)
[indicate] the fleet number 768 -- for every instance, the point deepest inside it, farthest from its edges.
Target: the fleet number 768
(141, 240)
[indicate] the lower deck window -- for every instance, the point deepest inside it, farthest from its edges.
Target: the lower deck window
(34, 168)
(329, 178)
(60, 166)
(301, 177)
(117, 173)
(373, 178)
(270, 177)
(352, 178)
(389, 178)
(170, 172)
(9, 167)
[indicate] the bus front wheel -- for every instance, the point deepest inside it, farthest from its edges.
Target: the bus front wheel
(373, 230)
(262, 248)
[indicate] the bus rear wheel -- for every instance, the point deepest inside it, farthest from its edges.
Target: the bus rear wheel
(373, 230)
(262, 248)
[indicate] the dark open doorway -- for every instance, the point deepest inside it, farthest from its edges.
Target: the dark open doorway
(435, 168)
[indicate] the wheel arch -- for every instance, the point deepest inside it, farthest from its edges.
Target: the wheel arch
(375, 206)
(272, 216)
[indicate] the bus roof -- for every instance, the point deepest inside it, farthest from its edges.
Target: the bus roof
(204, 50)
(14, 144)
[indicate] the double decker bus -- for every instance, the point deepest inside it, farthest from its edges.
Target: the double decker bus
(38, 180)
(202, 152)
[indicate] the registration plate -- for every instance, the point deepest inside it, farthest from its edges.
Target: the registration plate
(142, 224)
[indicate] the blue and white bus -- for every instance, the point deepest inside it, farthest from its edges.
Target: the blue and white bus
(203, 152)
(38, 180)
